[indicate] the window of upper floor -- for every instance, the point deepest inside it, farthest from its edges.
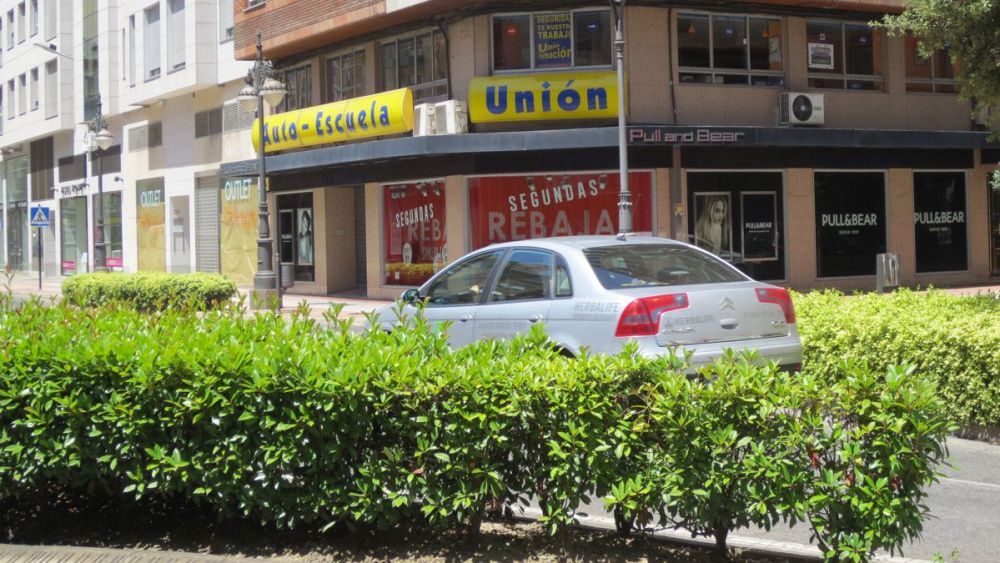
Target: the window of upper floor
(22, 94)
(10, 30)
(730, 49)
(345, 76)
(151, 42)
(933, 74)
(418, 61)
(175, 35)
(208, 122)
(51, 88)
(51, 18)
(845, 56)
(1, 111)
(34, 102)
(225, 20)
(34, 18)
(298, 87)
(21, 17)
(552, 40)
(11, 99)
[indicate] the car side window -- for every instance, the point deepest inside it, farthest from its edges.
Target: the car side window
(527, 275)
(564, 285)
(463, 284)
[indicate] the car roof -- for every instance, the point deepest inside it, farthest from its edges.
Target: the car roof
(587, 241)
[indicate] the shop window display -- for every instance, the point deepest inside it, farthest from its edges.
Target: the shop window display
(415, 242)
(850, 222)
(939, 221)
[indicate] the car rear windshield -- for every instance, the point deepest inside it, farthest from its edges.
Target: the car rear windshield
(640, 265)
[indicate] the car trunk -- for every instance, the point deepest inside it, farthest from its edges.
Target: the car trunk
(716, 313)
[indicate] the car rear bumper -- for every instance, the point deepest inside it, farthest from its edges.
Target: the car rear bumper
(786, 351)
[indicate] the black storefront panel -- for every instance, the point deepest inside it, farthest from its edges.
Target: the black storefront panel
(850, 222)
(939, 220)
(739, 217)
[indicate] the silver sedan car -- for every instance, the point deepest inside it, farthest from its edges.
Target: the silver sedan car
(598, 292)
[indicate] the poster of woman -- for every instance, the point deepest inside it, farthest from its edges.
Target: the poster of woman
(713, 227)
(305, 236)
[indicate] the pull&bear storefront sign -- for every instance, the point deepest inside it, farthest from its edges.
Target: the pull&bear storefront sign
(538, 97)
(503, 208)
(387, 113)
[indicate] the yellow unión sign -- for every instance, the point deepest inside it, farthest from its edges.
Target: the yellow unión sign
(536, 97)
(368, 116)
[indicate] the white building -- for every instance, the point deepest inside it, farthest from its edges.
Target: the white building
(163, 74)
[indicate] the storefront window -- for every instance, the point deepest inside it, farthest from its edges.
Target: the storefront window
(552, 40)
(113, 230)
(298, 82)
(850, 222)
(738, 216)
(151, 225)
(503, 208)
(74, 257)
(18, 236)
(845, 56)
(296, 238)
(717, 49)
(939, 219)
(415, 242)
(935, 73)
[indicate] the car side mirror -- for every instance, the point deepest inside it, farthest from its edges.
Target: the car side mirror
(410, 296)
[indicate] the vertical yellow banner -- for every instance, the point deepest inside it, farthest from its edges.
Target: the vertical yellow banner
(238, 230)
(151, 222)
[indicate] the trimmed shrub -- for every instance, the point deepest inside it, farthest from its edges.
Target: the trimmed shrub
(951, 339)
(149, 291)
(296, 425)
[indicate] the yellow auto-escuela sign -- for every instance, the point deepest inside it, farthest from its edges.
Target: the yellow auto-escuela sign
(387, 113)
(537, 97)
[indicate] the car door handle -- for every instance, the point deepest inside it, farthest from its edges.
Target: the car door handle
(465, 318)
(534, 318)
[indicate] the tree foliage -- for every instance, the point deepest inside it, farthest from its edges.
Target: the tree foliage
(970, 30)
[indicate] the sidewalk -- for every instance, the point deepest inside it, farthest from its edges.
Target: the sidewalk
(25, 284)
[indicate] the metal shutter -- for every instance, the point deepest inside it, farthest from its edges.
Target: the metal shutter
(206, 222)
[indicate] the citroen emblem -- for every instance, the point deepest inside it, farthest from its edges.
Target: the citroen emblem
(726, 303)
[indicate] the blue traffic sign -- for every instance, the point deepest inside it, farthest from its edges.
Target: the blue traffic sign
(40, 217)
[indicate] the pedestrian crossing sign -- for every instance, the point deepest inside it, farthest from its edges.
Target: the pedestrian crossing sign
(40, 217)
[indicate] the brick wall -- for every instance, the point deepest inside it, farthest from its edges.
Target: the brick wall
(289, 26)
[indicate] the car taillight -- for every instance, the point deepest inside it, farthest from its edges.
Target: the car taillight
(779, 297)
(642, 316)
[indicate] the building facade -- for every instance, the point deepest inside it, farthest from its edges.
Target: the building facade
(798, 143)
(164, 74)
(795, 141)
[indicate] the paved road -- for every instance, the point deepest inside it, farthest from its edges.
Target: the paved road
(965, 513)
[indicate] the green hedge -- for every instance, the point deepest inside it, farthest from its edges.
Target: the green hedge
(149, 291)
(302, 426)
(953, 339)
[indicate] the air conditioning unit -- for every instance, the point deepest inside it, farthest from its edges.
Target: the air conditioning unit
(983, 114)
(451, 118)
(423, 120)
(795, 108)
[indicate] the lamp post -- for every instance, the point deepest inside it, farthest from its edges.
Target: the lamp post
(99, 138)
(624, 195)
(263, 86)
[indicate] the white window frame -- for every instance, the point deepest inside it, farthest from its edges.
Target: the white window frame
(572, 41)
(132, 63)
(22, 93)
(33, 99)
(747, 72)
(176, 36)
(226, 34)
(149, 46)
(51, 19)
(934, 82)
(22, 15)
(51, 88)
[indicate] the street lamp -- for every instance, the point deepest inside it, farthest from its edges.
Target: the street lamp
(624, 195)
(263, 86)
(99, 138)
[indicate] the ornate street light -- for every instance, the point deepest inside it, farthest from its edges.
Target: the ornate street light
(263, 86)
(624, 195)
(99, 138)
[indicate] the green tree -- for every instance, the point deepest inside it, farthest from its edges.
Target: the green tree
(970, 30)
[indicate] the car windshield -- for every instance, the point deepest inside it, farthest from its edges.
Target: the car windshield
(639, 265)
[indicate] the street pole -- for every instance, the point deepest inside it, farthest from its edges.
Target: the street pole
(100, 245)
(624, 195)
(265, 280)
(41, 261)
